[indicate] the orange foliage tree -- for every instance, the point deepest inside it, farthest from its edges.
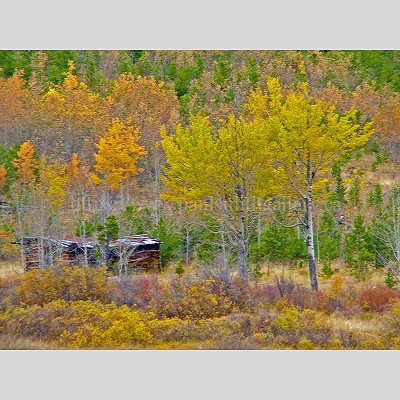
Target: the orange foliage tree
(15, 110)
(3, 176)
(26, 164)
(68, 118)
(118, 153)
(151, 105)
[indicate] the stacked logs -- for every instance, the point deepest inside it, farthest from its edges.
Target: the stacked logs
(135, 252)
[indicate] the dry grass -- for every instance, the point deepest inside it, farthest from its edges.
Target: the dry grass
(301, 276)
(297, 275)
(8, 269)
(8, 342)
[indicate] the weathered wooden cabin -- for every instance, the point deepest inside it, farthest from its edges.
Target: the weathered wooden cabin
(129, 252)
(138, 251)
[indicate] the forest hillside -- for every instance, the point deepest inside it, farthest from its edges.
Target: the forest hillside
(270, 179)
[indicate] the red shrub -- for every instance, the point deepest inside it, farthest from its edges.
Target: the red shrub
(137, 291)
(264, 293)
(376, 298)
(303, 298)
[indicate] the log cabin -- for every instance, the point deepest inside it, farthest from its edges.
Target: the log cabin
(128, 252)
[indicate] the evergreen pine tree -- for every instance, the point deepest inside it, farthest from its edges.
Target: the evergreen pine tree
(358, 252)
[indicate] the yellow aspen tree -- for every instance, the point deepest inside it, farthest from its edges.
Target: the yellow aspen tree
(80, 184)
(78, 175)
(46, 202)
(69, 118)
(56, 183)
(306, 136)
(150, 105)
(227, 169)
(118, 152)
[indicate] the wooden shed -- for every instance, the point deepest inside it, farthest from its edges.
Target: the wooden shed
(128, 252)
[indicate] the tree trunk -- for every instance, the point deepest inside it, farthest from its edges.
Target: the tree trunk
(187, 247)
(107, 252)
(310, 231)
(223, 245)
(157, 181)
(121, 195)
(242, 257)
(21, 234)
(242, 242)
(242, 248)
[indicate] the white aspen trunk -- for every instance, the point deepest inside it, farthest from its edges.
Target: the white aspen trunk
(84, 231)
(242, 255)
(310, 230)
(120, 263)
(128, 194)
(225, 259)
(242, 243)
(21, 248)
(121, 195)
(187, 246)
(85, 254)
(157, 186)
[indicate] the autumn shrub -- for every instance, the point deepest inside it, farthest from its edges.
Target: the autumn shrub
(284, 285)
(8, 291)
(238, 291)
(376, 298)
(264, 293)
(390, 329)
(38, 322)
(78, 324)
(303, 298)
(68, 283)
(346, 338)
(335, 293)
(122, 327)
(205, 330)
(38, 287)
(135, 291)
(8, 249)
(194, 299)
(305, 344)
(348, 301)
(291, 326)
(315, 327)
(247, 343)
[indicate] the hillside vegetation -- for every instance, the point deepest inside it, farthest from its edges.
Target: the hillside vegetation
(270, 177)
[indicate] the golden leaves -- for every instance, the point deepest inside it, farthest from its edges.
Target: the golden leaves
(25, 163)
(3, 176)
(118, 153)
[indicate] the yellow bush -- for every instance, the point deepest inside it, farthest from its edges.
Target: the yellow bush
(334, 344)
(37, 287)
(196, 300)
(8, 250)
(288, 320)
(305, 344)
(313, 319)
(79, 324)
(68, 283)
(336, 285)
